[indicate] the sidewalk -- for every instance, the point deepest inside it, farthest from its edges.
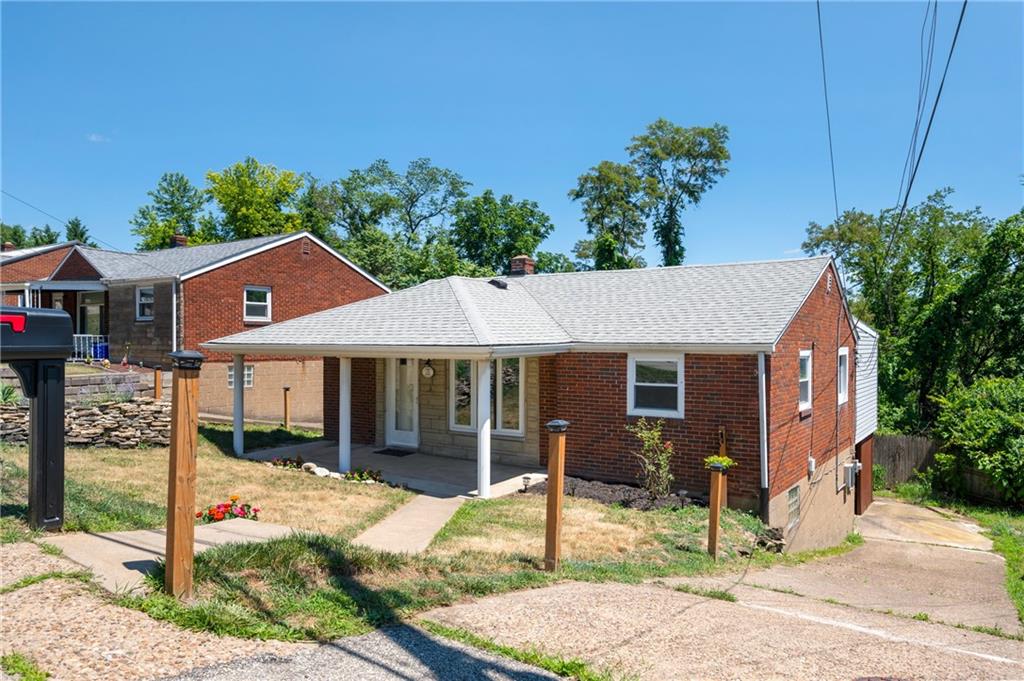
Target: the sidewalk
(120, 559)
(411, 528)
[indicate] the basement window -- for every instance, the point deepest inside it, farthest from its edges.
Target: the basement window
(508, 391)
(247, 377)
(257, 304)
(655, 385)
(843, 379)
(793, 505)
(805, 379)
(143, 303)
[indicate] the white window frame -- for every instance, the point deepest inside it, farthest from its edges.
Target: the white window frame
(632, 409)
(803, 406)
(248, 376)
(138, 301)
(245, 303)
(474, 391)
(843, 378)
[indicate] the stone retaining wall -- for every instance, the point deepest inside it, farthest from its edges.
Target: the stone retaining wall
(97, 386)
(125, 425)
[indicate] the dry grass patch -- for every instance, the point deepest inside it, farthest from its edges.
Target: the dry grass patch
(285, 497)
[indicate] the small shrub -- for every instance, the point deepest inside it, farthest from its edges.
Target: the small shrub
(655, 457)
(9, 394)
(982, 427)
(877, 477)
(285, 462)
(364, 475)
(228, 510)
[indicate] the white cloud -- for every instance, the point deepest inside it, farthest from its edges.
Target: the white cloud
(97, 138)
(792, 251)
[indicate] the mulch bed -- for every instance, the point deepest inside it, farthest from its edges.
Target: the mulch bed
(611, 494)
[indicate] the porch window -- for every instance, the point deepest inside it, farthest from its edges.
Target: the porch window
(257, 304)
(507, 396)
(843, 379)
(655, 385)
(806, 373)
(143, 303)
(91, 313)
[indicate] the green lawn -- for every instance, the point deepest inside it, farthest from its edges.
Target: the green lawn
(1004, 526)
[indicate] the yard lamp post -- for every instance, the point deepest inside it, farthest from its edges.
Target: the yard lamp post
(287, 407)
(181, 478)
(556, 483)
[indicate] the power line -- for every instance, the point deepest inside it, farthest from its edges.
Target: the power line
(828, 115)
(927, 130)
(923, 85)
(19, 200)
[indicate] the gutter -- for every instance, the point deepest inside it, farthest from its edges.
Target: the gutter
(762, 418)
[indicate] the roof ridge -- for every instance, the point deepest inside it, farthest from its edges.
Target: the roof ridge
(663, 267)
(552, 317)
(476, 321)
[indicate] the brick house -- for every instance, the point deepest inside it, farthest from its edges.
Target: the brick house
(20, 268)
(145, 305)
(765, 352)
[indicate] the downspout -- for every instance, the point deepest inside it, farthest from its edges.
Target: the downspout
(174, 315)
(762, 413)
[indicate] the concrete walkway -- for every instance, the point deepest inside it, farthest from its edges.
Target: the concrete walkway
(121, 559)
(411, 528)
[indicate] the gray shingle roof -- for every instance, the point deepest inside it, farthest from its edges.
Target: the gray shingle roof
(169, 262)
(19, 253)
(704, 305)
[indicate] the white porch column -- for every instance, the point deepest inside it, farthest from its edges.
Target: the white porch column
(483, 428)
(344, 414)
(238, 420)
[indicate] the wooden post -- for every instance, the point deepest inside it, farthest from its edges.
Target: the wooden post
(287, 408)
(714, 509)
(158, 382)
(723, 451)
(181, 477)
(556, 483)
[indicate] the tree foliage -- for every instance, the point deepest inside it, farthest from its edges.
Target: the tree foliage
(946, 291)
(678, 165)
(176, 207)
(255, 199)
(614, 203)
(75, 230)
(13, 234)
(42, 236)
(490, 231)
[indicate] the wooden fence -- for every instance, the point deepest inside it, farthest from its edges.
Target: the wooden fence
(903, 455)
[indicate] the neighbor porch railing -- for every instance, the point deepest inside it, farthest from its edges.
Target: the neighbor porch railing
(87, 345)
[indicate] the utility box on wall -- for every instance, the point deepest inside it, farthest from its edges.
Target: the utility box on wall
(35, 343)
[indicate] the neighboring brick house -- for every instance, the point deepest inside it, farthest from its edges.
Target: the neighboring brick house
(20, 268)
(145, 305)
(762, 352)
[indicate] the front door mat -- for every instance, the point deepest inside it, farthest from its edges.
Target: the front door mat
(391, 451)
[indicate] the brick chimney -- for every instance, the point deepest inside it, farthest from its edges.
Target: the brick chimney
(8, 246)
(179, 241)
(521, 264)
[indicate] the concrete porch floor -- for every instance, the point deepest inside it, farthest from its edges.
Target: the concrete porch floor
(437, 476)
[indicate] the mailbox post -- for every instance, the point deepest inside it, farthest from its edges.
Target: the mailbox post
(35, 343)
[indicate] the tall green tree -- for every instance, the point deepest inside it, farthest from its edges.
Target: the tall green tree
(614, 200)
(255, 199)
(364, 200)
(42, 236)
(13, 234)
(548, 262)
(176, 207)
(678, 165)
(490, 231)
(75, 230)
(425, 196)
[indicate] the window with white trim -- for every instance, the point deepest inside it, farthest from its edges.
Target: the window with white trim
(247, 376)
(508, 391)
(806, 372)
(143, 303)
(655, 384)
(843, 379)
(257, 304)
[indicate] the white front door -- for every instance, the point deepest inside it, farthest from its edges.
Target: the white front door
(402, 415)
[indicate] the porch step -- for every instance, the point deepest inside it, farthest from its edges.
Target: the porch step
(411, 528)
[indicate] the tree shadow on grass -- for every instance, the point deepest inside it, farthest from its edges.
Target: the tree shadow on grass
(222, 438)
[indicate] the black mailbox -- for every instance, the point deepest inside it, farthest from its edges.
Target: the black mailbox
(35, 343)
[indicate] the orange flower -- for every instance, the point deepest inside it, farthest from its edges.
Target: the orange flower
(234, 498)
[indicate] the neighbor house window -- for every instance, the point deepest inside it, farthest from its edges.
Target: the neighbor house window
(805, 379)
(655, 386)
(257, 304)
(843, 379)
(247, 376)
(507, 395)
(143, 303)
(793, 504)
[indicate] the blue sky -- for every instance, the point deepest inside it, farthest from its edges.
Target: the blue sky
(100, 99)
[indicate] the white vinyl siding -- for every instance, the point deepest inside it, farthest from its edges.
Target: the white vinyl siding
(655, 385)
(866, 395)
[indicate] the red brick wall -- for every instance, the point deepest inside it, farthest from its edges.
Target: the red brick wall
(589, 390)
(34, 268)
(76, 268)
(793, 437)
(301, 284)
(364, 399)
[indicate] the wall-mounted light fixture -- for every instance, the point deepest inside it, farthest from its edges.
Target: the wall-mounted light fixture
(428, 370)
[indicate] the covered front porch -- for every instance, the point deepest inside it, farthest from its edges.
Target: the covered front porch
(85, 301)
